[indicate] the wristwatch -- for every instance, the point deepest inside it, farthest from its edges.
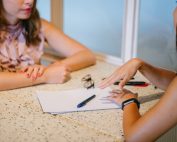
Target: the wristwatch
(129, 101)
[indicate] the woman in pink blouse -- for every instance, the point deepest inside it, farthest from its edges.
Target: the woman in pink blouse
(22, 37)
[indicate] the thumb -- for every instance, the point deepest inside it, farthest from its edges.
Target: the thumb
(122, 83)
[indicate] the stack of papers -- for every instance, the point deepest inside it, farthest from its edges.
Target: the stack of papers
(66, 101)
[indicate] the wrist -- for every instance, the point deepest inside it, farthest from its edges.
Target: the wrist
(129, 96)
(43, 78)
(130, 101)
(62, 63)
(39, 80)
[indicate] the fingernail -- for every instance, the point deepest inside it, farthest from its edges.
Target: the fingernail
(34, 77)
(39, 75)
(21, 71)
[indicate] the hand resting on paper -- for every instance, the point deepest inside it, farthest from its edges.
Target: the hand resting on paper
(119, 96)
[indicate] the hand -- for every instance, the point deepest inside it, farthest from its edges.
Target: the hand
(33, 71)
(122, 74)
(56, 74)
(175, 18)
(118, 96)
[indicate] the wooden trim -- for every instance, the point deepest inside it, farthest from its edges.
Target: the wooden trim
(57, 13)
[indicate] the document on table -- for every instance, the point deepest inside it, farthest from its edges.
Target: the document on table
(66, 101)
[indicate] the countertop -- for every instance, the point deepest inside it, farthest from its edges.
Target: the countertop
(22, 118)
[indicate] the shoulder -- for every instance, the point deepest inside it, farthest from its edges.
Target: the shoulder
(48, 28)
(45, 25)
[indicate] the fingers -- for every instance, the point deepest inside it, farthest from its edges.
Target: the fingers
(23, 69)
(116, 96)
(57, 74)
(41, 71)
(116, 91)
(122, 83)
(109, 81)
(113, 99)
(30, 71)
(112, 79)
(33, 72)
(65, 76)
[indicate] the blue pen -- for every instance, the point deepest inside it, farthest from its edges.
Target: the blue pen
(85, 101)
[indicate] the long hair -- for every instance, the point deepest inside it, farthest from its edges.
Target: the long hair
(32, 25)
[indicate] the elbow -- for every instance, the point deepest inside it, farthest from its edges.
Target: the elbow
(130, 139)
(134, 137)
(91, 58)
(131, 136)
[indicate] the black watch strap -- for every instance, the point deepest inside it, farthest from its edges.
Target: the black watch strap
(132, 100)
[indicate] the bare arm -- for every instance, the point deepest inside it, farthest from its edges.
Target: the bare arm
(77, 56)
(17, 80)
(158, 76)
(51, 74)
(154, 123)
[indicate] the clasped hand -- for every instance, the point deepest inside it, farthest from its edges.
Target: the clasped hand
(52, 74)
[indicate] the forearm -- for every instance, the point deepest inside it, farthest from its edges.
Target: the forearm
(79, 60)
(77, 55)
(17, 80)
(158, 76)
(151, 125)
(130, 116)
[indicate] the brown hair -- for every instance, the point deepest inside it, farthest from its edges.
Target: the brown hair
(31, 25)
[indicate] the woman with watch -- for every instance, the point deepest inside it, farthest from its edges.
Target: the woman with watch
(161, 117)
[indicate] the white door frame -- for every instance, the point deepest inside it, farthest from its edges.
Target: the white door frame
(129, 34)
(130, 29)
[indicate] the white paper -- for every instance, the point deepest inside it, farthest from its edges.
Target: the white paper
(67, 101)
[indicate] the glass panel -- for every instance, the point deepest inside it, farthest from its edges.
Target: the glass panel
(156, 40)
(95, 23)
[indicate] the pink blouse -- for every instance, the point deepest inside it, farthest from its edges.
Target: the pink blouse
(14, 53)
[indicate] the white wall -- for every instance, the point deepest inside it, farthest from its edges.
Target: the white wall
(95, 23)
(156, 41)
(98, 25)
(44, 9)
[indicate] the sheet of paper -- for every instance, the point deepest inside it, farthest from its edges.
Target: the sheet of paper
(67, 101)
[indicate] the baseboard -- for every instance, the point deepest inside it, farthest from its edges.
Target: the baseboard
(109, 59)
(100, 57)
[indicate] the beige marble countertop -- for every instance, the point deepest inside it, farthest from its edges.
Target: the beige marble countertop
(22, 119)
